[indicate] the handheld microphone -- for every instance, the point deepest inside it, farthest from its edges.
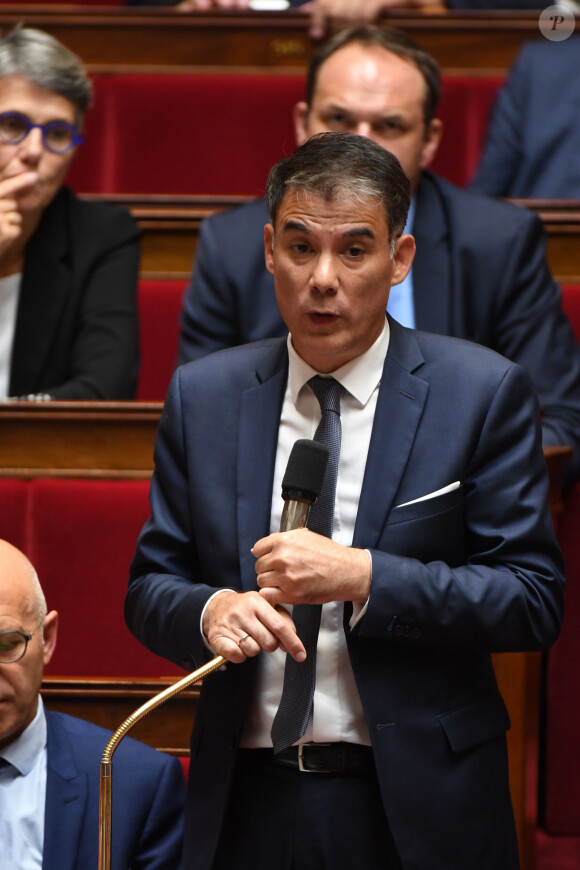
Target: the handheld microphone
(302, 482)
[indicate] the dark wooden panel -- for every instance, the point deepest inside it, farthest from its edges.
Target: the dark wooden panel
(109, 702)
(78, 439)
(151, 39)
(171, 226)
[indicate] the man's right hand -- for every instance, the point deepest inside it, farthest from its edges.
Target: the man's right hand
(239, 625)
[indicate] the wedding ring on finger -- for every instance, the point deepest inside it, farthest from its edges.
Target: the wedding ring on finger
(13, 217)
(242, 639)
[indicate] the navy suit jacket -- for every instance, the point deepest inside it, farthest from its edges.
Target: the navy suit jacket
(148, 801)
(76, 328)
(532, 149)
(454, 577)
(480, 273)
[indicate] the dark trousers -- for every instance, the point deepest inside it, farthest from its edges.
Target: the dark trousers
(282, 818)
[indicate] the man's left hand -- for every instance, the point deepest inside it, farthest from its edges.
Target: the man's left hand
(301, 567)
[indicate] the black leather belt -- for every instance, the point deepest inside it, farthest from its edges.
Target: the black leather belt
(320, 757)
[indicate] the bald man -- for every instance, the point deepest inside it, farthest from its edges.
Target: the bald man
(49, 762)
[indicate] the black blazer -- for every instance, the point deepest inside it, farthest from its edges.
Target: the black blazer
(76, 327)
(480, 272)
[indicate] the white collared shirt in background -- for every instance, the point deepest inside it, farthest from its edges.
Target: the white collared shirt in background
(23, 798)
(401, 304)
(337, 710)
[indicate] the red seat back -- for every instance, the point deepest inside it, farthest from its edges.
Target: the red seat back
(80, 535)
(221, 134)
(571, 305)
(159, 309)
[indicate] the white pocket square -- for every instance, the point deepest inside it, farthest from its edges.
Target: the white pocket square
(449, 488)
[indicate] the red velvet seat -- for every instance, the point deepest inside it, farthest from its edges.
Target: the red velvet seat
(14, 513)
(571, 305)
(220, 134)
(80, 535)
(160, 305)
(562, 760)
(90, 170)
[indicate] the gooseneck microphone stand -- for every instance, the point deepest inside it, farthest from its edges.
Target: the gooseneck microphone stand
(106, 781)
(301, 486)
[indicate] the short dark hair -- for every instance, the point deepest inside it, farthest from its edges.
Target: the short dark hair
(331, 164)
(391, 40)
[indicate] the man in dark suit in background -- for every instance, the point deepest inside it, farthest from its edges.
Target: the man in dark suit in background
(50, 762)
(438, 550)
(532, 148)
(480, 271)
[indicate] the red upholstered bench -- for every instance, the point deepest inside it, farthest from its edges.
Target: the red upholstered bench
(220, 134)
(80, 536)
(562, 760)
(160, 305)
(571, 305)
(562, 726)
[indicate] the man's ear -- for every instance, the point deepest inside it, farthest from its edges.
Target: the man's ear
(432, 141)
(301, 123)
(50, 634)
(403, 257)
(269, 247)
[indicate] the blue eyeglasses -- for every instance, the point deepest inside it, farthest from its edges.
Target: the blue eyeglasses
(57, 136)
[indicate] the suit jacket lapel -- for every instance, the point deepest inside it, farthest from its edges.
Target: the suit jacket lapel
(258, 439)
(432, 290)
(402, 397)
(45, 284)
(66, 796)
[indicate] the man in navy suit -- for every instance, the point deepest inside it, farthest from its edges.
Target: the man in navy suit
(480, 271)
(532, 149)
(442, 551)
(50, 762)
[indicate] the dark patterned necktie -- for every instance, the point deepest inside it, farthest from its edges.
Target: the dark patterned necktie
(300, 677)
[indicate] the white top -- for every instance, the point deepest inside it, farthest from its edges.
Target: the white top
(9, 296)
(23, 797)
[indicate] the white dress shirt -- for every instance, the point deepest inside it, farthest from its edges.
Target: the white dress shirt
(337, 713)
(23, 797)
(9, 296)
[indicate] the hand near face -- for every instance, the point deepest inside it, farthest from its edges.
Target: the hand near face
(240, 625)
(10, 216)
(301, 567)
(330, 16)
(334, 15)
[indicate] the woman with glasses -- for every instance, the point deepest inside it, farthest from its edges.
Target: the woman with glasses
(68, 268)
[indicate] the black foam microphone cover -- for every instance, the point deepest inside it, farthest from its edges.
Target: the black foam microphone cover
(305, 470)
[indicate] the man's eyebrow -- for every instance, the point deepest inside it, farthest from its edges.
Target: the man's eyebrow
(359, 231)
(355, 232)
(293, 224)
(392, 115)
